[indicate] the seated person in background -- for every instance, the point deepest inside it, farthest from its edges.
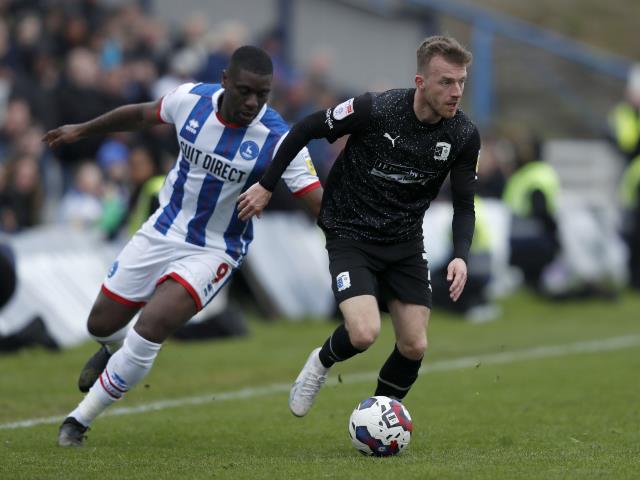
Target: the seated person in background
(34, 332)
(531, 194)
(474, 302)
(630, 196)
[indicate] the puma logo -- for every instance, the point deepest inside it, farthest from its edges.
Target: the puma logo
(393, 140)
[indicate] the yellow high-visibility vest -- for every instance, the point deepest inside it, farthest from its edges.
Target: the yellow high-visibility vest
(481, 241)
(532, 176)
(630, 185)
(624, 121)
(142, 211)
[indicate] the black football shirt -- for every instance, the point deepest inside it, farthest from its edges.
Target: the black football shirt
(391, 168)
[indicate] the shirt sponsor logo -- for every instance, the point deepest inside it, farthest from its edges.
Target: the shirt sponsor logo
(343, 110)
(343, 281)
(400, 173)
(218, 167)
(442, 151)
(249, 150)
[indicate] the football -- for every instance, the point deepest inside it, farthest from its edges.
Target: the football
(380, 426)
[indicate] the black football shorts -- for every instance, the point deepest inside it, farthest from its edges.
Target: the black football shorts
(397, 271)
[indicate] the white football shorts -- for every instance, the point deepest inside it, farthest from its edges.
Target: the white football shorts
(150, 258)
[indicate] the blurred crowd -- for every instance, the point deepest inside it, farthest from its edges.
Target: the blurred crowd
(65, 62)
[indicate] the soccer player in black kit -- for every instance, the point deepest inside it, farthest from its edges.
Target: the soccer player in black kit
(403, 144)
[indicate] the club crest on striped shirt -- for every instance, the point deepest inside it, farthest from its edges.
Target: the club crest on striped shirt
(249, 150)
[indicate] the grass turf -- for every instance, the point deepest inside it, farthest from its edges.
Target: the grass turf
(572, 416)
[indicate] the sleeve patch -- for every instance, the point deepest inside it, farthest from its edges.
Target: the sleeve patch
(343, 110)
(310, 166)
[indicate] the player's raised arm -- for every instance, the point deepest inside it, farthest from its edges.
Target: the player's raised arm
(121, 119)
(333, 123)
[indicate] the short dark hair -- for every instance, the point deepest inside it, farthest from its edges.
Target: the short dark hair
(447, 47)
(252, 59)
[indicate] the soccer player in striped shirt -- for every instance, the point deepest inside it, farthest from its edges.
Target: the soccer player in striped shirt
(188, 249)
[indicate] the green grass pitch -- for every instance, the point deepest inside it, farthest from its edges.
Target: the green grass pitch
(498, 403)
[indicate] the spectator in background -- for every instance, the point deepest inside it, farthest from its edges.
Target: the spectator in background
(624, 123)
(182, 68)
(494, 156)
(17, 119)
(531, 193)
(146, 179)
(79, 99)
(23, 196)
(81, 206)
(474, 302)
(624, 120)
(630, 195)
(113, 159)
(221, 42)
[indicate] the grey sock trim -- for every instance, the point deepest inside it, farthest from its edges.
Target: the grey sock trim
(393, 385)
(334, 357)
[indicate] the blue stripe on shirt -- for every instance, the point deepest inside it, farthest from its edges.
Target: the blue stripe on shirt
(171, 210)
(205, 89)
(274, 122)
(207, 200)
(200, 112)
(238, 231)
(229, 142)
(211, 188)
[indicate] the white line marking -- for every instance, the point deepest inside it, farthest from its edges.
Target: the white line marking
(614, 343)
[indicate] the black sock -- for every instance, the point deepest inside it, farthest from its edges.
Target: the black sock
(397, 375)
(337, 348)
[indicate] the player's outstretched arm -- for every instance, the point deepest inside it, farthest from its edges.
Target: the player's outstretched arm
(122, 119)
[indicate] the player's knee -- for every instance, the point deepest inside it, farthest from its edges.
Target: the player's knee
(100, 323)
(363, 336)
(97, 328)
(413, 349)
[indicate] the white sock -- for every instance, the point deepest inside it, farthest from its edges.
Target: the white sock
(124, 370)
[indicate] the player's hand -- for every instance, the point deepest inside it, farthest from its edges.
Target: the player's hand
(457, 277)
(61, 135)
(253, 201)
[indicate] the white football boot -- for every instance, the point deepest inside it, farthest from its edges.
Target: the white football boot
(307, 385)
